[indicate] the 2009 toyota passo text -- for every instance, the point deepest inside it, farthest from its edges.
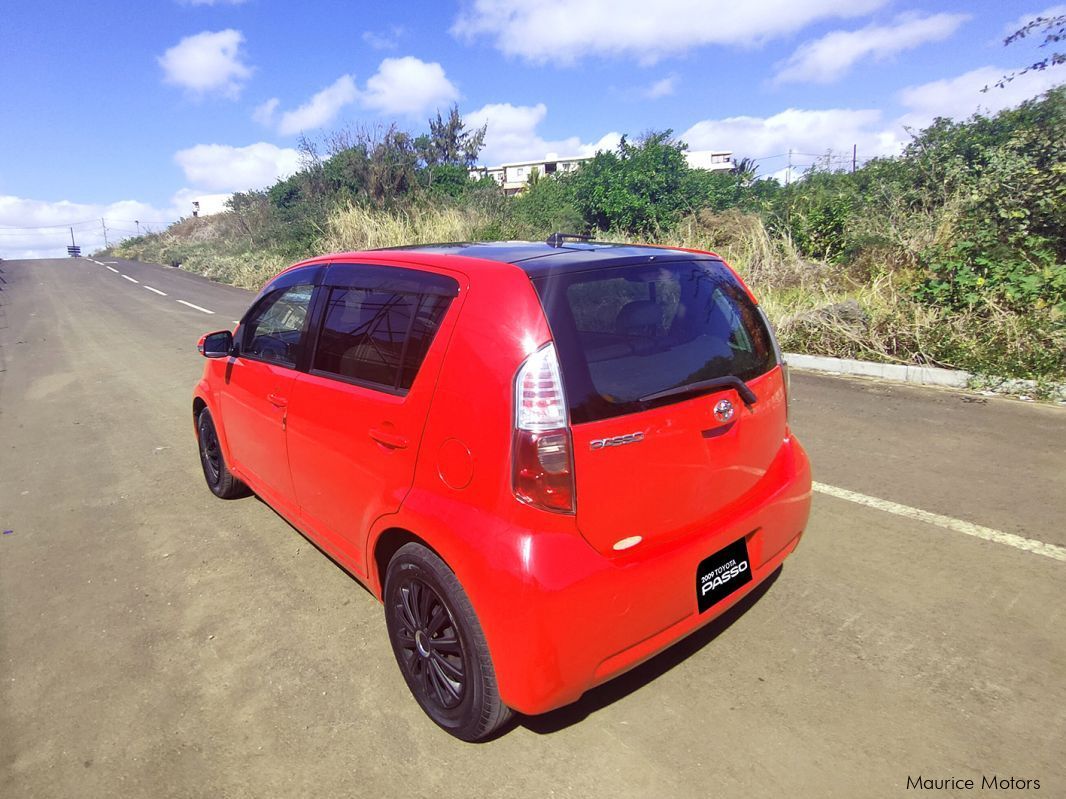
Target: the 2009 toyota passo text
(550, 461)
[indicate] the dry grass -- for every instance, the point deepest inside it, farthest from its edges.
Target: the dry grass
(223, 260)
(864, 311)
(356, 227)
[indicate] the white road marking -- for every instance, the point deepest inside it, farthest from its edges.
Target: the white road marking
(130, 279)
(236, 322)
(113, 269)
(966, 528)
(197, 307)
(157, 291)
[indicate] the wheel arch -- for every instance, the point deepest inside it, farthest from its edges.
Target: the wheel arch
(387, 544)
(203, 400)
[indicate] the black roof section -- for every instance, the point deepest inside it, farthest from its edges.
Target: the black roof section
(539, 258)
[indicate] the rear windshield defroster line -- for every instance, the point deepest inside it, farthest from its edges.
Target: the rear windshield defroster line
(628, 335)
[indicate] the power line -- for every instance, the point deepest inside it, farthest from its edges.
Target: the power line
(48, 227)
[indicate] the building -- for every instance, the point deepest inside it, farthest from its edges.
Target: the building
(515, 176)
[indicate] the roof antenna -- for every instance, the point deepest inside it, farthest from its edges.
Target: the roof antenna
(558, 239)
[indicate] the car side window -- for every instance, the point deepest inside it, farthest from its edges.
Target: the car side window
(274, 331)
(378, 335)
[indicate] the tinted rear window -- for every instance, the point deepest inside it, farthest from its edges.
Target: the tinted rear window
(626, 332)
(377, 337)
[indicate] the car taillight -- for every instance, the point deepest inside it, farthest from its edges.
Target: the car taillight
(543, 471)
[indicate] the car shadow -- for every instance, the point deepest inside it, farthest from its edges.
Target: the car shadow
(649, 671)
(315, 544)
(610, 692)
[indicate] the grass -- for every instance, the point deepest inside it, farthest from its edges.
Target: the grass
(356, 227)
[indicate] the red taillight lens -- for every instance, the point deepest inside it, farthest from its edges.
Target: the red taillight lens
(543, 472)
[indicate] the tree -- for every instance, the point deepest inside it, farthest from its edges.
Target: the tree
(1054, 30)
(745, 168)
(449, 143)
(640, 189)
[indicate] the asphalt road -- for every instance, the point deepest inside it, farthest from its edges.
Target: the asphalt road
(157, 642)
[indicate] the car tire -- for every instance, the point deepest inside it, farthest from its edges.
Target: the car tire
(440, 647)
(218, 476)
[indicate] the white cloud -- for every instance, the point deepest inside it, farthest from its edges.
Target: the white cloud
(207, 63)
(511, 135)
(222, 168)
(829, 58)
(811, 133)
(321, 109)
(661, 88)
(564, 31)
(264, 112)
(41, 229)
(183, 199)
(803, 131)
(404, 86)
(408, 86)
(961, 96)
(389, 40)
(1025, 19)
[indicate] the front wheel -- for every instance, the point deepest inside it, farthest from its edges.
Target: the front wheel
(439, 645)
(218, 476)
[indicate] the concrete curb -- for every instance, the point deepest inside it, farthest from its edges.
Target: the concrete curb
(920, 375)
(901, 373)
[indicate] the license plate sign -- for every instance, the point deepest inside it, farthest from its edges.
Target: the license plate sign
(722, 573)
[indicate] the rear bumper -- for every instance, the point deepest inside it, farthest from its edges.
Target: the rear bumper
(578, 619)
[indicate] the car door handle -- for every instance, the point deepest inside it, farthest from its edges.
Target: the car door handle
(387, 439)
(277, 400)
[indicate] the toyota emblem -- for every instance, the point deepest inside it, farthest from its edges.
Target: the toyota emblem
(723, 410)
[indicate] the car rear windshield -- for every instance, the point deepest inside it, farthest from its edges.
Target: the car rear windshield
(631, 331)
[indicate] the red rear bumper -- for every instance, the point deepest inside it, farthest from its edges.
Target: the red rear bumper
(577, 618)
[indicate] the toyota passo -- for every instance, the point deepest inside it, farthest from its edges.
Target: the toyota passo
(550, 461)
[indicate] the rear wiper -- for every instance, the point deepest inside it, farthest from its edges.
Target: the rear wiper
(706, 386)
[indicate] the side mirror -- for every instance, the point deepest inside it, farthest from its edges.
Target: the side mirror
(216, 345)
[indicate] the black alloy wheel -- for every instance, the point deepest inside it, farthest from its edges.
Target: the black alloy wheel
(430, 643)
(218, 476)
(439, 645)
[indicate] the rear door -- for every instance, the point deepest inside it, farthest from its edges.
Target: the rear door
(648, 354)
(356, 418)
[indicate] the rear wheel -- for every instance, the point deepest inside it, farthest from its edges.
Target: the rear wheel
(219, 478)
(439, 645)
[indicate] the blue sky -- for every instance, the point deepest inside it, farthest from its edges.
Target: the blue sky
(132, 111)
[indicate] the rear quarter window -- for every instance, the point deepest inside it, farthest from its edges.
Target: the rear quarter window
(377, 337)
(378, 324)
(626, 332)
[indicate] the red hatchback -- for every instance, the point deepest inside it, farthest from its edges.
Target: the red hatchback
(549, 460)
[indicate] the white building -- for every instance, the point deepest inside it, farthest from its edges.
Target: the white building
(514, 176)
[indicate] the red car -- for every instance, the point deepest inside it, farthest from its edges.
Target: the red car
(549, 460)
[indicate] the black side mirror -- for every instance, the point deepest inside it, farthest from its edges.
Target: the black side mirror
(216, 345)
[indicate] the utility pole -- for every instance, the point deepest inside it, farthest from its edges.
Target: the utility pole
(72, 244)
(105, 232)
(788, 174)
(854, 154)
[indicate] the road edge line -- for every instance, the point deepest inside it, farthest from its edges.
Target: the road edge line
(197, 307)
(957, 525)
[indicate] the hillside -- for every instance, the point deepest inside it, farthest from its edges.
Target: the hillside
(952, 254)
